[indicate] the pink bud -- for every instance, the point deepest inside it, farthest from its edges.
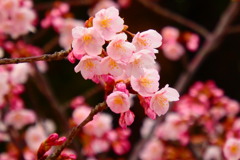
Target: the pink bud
(71, 57)
(121, 147)
(76, 102)
(53, 137)
(60, 141)
(121, 87)
(126, 119)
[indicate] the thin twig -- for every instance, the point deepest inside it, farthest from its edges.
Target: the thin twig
(44, 87)
(213, 40)
(45, 57)
(76, 130)
(176, 17)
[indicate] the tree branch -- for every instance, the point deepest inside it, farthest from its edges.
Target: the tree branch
(76, 130)
(234, 29)
(45, 57)
(175, 17)
(213, 40)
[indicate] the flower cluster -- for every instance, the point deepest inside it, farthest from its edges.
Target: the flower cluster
(62, 22)
(98, 136)
(173, 42)
(16, 17)
(203, 116)
(124, 68)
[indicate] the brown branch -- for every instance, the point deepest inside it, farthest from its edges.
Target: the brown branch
(45, 57)
(44, 87)
(175, 17)
(213, 40)
(234, 29)
(76, 130)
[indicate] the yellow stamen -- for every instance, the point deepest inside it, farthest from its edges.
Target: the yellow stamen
(112, 64)
(105, 22)
(118, 100)
(142, 41)
(145, 81)
(87, 38)
(161, 100)
(234, 149)
(88, 65)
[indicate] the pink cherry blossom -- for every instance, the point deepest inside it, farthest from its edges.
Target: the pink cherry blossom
(65, 31)
(89, 66)
(193, 42)
(24, 17)
(121, 147)
(124, 3)
(99, 146)
(147, 84)
(118, 102)
(17, 17)
(160, 100)
(101, 124)
(119, 49)
(107, 22)
(152, 150)
(20, 73)
(173, 51)
(103, 4)
(139, 61)
(126, 119)
(111, 66)
(80, 113)
(20, 118)
(149, 39)
(231, 149)
(173, 129)
(145, 102)
(86, 40)
(212, 152)
(34, 136)
(170, 34)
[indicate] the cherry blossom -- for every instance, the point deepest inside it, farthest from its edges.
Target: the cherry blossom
(160, 100)
(147, 84)
(118, 102)
(107, 22)
(231, 149)
(110, 66)
(119, 49)
(20, 118)
(152, 150)
(147, 40)
(34, 136)
(88, 66)
(86, 41)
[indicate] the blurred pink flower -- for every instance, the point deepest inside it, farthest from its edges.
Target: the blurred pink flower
(20, 118)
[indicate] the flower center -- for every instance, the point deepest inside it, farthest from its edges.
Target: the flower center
(145, 81)
(118, 100)
(87, 38)
(105, 23)
(89, 65)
